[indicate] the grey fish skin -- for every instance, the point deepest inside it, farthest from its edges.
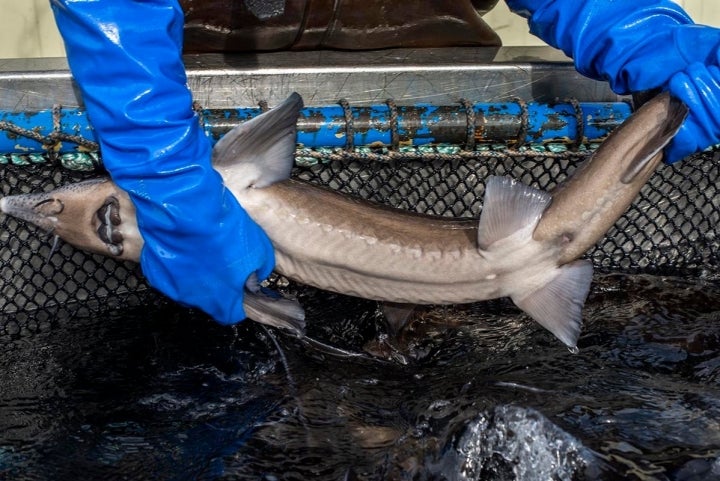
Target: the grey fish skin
(524, 245)
(605, 185)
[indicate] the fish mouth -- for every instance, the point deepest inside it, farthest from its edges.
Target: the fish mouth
(108, 225)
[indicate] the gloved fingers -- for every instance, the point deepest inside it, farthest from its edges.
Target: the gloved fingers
(257, 255)
(698, 86)
(268, 260)
(206, 263)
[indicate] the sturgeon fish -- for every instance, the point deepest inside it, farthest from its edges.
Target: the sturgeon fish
(525, 245)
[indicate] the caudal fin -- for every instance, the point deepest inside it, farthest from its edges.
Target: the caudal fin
(558, 305)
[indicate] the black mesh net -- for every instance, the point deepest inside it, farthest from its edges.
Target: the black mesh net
(671, 228)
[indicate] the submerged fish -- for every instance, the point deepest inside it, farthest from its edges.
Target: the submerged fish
(523, 247)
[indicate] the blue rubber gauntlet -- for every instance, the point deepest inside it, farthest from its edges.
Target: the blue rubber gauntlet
(639, 45)
(200, 245)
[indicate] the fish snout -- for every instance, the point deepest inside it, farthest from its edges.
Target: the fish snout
(38, 209)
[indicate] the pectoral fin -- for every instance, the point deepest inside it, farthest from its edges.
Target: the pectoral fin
(509, 206)
(268, 307)
(262, 148)
(558, 305)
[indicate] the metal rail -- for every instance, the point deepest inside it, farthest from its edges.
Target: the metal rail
(460, 96)
(409, 76)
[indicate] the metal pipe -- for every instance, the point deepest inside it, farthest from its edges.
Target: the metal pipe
(515, 123)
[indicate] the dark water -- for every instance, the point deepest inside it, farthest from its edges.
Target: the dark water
(474, 392)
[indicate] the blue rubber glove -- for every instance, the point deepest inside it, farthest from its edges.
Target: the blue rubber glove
(639, 45)
(200, 245)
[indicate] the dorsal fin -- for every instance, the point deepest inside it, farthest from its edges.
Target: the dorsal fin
(509, 206)
(260, 151)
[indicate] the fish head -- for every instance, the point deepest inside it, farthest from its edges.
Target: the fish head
(592, 199)
(94, 215)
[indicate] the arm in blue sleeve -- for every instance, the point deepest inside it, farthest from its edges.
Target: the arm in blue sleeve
(200, 245)
(639, 45)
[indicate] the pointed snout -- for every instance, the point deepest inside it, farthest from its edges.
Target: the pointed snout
(38, 209)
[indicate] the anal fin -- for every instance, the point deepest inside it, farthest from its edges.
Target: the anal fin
(558, 305)
(397, 315)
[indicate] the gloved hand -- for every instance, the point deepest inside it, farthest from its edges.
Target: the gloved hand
(200, 245)
(639, 45)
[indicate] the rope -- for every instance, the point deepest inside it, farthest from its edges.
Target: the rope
(524, 123)
(579, 123)
(349, 125)
(470, 124)
(344, 155)
(394, 133)
(50, 141)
